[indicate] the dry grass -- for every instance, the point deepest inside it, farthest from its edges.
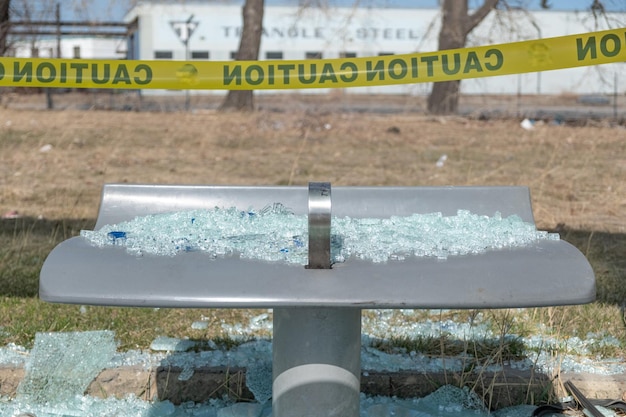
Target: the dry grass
(576, 174)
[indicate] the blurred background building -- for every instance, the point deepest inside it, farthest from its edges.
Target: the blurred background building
(210, 31)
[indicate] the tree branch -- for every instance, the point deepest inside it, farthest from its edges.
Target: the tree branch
(475, 18)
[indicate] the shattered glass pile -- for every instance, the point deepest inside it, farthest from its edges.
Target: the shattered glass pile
(448, 400)
(276, 234)
(79, 357)
(57, 354)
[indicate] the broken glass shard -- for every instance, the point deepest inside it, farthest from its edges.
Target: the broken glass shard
(62, 365)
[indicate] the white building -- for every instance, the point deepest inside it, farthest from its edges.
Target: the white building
(211, 32)
(86, 47)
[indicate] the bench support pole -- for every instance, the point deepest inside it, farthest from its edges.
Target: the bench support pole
(316, 362)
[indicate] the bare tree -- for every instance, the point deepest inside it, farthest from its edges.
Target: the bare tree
(4, 25)
(249, 46)
(456, 25)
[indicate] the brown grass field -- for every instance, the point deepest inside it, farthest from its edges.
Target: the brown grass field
(53, 165)
(576, 174)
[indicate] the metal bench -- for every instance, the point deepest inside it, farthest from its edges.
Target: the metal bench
(317, 309)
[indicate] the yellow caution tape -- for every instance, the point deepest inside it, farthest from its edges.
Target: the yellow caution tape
(485, 61)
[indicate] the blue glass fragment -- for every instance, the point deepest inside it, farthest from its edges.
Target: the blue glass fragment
(115, 235)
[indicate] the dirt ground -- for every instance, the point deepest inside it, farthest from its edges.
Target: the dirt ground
(574, 109)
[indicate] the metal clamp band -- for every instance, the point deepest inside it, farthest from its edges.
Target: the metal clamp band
(319, 225)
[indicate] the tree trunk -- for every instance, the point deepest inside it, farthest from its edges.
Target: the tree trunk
(4, 25)
(249, 45)
(456, 24)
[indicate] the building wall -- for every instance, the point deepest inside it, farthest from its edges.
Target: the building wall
(75, 47)
(293, 33)
(286, 30)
